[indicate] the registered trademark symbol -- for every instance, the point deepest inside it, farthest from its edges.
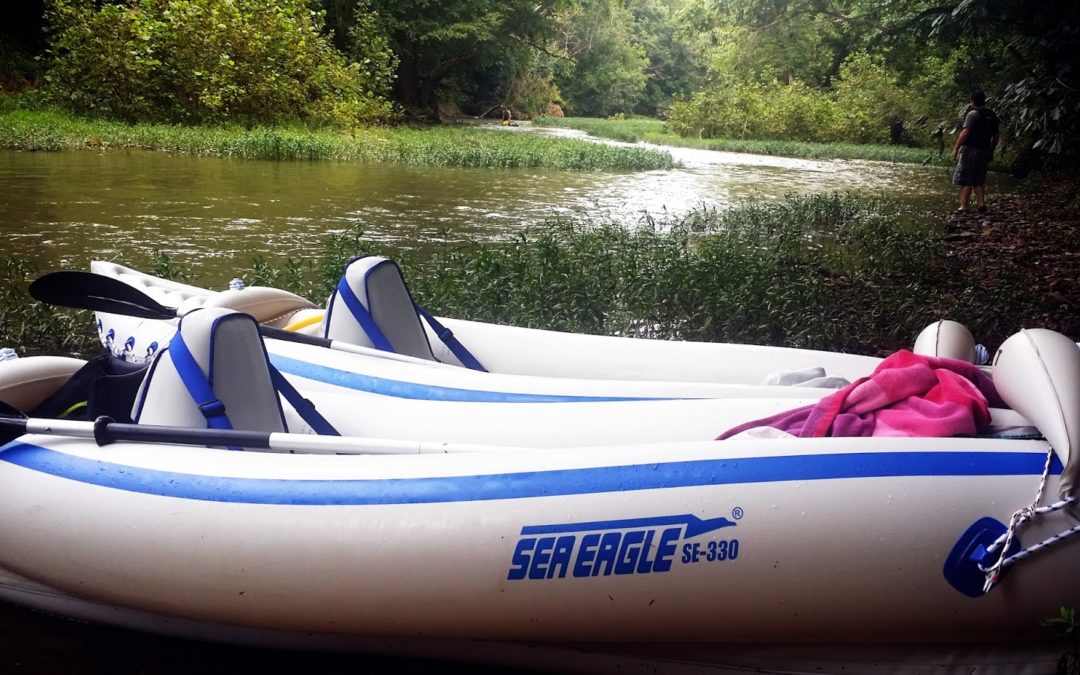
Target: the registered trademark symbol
(737, 513)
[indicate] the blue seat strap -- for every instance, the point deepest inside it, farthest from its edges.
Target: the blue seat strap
(448, 339)
(363, 316)
(197, 385)
(303, 407)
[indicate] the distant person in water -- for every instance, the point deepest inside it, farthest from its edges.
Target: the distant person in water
(507, 117)
(975, 146)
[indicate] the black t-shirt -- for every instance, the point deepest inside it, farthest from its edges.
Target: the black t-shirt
(982, 126)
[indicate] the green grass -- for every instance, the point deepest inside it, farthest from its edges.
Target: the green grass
(826, 272)
(44, 130)
(654, 131)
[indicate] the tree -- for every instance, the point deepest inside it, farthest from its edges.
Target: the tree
(605, 71)
(675, 67)
(442, 48)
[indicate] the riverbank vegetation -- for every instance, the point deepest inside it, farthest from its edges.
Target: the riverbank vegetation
(833, 71)
(462, 146)
(658, 132)
(825, 272)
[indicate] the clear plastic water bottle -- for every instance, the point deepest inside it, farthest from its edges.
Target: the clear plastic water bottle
(982, 355)
(236, 284)
(8, 354)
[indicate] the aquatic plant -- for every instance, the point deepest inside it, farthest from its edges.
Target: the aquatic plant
(822, 272)
(462, 146)
(826, 272)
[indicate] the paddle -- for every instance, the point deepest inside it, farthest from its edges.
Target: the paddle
(104, 431)
(99, 293)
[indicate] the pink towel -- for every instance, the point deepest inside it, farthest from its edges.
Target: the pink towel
(907, 395)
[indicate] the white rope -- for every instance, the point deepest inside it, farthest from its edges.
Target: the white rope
(1020, 555)
(1021, 516)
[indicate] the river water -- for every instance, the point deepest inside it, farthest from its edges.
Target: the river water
(63, 209)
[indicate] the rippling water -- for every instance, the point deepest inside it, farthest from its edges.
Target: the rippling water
(64, 209)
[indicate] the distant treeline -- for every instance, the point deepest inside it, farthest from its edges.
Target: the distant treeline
(808, 70)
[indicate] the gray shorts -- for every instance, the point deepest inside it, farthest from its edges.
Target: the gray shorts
(971, 169)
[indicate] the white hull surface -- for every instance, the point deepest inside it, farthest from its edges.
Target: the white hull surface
(761, 541)
(1035, 657)
(502, 349)
(1015, 658)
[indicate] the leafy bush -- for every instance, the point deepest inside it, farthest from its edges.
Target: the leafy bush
(772, 111)
(862, 107)
(869, 100)
(32, 328)
(205, 61)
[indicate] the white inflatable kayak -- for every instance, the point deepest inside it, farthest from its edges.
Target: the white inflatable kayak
(864, 541)
(378, 288)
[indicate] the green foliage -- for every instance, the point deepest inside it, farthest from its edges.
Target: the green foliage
(162, 265)
(487, 148)
(32, 328)
(206, 61)
(616, 127)
(1026, 54)
(1067, 624)
(447, 50)
(675, 66)
(758, 111)
(820, 272)
(897, 71)
(439, 146)
(607, 74)
(868, 100)
(824, 70)
(18, 68)
(825, 272)
(839, 70)
(864, 106)
(370, 49)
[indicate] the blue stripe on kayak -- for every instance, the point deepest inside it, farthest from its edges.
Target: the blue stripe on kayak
(427, 392)
(694, 525)
(523, 485)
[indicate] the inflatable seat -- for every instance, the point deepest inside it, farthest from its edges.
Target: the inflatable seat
(948, 339)
(229, 355)
(372, 307)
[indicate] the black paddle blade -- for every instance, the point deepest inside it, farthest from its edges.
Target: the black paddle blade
(86, 290)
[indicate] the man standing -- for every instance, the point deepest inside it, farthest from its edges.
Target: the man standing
(975, 145)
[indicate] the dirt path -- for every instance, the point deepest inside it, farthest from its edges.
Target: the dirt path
(1023, 256)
